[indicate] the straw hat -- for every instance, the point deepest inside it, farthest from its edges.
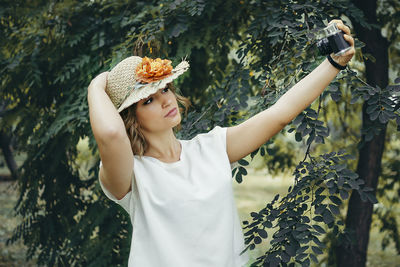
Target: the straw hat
(135, 78)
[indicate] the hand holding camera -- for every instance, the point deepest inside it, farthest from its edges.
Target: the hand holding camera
(338, 43)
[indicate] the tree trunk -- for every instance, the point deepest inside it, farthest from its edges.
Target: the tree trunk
(359, 213)
(5, 145)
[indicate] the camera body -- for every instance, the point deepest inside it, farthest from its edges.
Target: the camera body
(333, 42)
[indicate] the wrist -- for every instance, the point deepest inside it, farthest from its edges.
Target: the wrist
(334, 62)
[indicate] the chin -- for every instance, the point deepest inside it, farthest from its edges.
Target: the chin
(177, 120)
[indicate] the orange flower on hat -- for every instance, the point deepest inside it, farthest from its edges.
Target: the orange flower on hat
(151, 70)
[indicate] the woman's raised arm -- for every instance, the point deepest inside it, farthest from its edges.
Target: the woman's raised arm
(112, 140)
(246, 137)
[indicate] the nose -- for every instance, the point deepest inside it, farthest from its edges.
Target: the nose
(166, 101)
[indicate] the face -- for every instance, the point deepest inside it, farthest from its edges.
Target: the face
(158, 112)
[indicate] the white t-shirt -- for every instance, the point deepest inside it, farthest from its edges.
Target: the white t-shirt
(184, 213)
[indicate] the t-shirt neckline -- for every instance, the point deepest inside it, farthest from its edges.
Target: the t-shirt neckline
(168, 164)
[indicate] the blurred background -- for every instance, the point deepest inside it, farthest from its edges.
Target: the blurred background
(336, 166)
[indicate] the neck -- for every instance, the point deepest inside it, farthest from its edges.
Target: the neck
(162, 145)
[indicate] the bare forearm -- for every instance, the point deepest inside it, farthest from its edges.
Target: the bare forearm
(301, 95)
(244, 138)
(104, 117)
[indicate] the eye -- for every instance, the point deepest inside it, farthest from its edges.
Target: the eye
(148, 101)
(166, 89)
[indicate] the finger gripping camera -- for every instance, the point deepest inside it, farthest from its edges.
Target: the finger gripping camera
(333, 42)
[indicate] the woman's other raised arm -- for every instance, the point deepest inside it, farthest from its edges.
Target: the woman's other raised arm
(246, 137)
(112, 140)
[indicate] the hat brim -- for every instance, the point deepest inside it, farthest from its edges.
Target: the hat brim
(144, 90)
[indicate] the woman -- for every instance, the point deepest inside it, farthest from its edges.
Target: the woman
(178, 192)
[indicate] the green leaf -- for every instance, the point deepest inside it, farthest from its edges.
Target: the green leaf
(373, 115)
(298, 137)
(319, 229)
(243, 162)
(319, 191)
(313, 258)
(340, 181)
(306, 263)
(336, 96)
(319, 140)
(302, 127)
(335, 200)
(353, 184)
(369, 56)
(306, 131)
(267, 224)
(318, 218)
(291, 250)
(310, 139)
(316, 250)
(301, 249)
(238, 178)
(371, 198)
(370, 109)
(383, 118)
(330, 175)
(262, 151)
(340, 167)
(302, 227)
(311, 113)
(327, 217)
(262, 233)
(301, 256)
(298, 119)
(254, 153)
(349, 173)
(333, 190)
(234, 171)
(285, 257)
(242, 170)
(320, 209)
(334, 209)
(330, 183)
(318, 242)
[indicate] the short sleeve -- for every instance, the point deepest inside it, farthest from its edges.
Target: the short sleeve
(220, 132)
(127, 202)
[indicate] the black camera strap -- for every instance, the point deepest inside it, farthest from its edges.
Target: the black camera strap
(335, 64)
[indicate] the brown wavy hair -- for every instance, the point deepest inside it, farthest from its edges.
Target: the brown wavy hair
(135, 135)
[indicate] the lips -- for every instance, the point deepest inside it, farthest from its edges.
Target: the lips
(172, 112)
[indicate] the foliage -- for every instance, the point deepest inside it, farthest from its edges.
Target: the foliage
(388, 192)
(297, 215)
(244, 55)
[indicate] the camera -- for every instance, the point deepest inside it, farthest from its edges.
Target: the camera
(333, 42)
